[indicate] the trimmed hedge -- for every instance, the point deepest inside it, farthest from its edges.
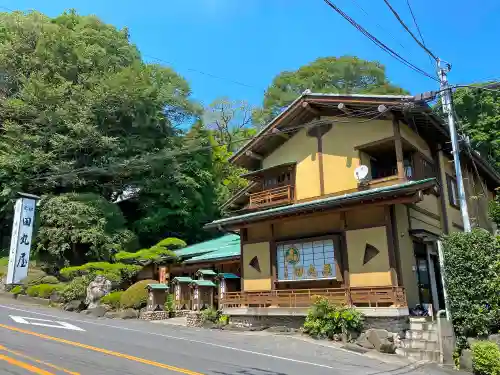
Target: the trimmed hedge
(112, 299)
(43, 290)
(172, 243)
(76, 289)
(471, 281)
(136, 296)
(160, 251)
(117, 273)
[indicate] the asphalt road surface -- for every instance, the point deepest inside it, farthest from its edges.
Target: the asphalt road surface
(46, 341)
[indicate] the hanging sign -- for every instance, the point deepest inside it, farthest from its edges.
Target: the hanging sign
(20, 242)
(163, 274)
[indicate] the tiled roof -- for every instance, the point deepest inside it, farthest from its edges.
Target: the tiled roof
(207, 272)
(182, 279)
(208, 246)
(227, 276)
(157, 286)
(203, 283)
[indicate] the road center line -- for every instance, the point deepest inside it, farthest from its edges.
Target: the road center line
(100, 350)
(185, 339)
(19, 354)
(24, 366)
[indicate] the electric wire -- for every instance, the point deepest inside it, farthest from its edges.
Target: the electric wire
(419, 32)
(409, 31)
(377, 42)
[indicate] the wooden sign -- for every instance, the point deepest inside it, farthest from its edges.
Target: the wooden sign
(163, 274)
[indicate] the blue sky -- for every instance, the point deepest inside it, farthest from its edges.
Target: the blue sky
(251, 41)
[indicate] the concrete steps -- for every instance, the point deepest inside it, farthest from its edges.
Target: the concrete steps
(421, 342)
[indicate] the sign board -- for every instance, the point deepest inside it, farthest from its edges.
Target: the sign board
(163, 274)
(20, 242)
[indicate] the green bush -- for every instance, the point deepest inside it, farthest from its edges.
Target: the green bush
(76, 289)
(117, 273)
(43, 290)
(136, 296)
(18, 289)
(112, 299)
(210, 315)
(325, 319)
(170, 303)
(35, 276)
(486, 358)
(49, 280)
(223, 320)
(172, 243)
(471, 282)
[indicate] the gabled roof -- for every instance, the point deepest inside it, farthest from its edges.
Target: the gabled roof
(308, 105)
(227, 275)
(157, 286)
(182, 279)
(207, 246)
(206, 272)
(329, 202)
(202, 283)
(226, 252)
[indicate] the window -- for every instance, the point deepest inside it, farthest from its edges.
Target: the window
(279, 180)
(453, 191)
(310, 260)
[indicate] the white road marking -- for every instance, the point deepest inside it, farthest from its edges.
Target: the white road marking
(186, 339)
(45, 323)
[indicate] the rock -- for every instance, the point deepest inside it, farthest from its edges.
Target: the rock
(387, 347)
(279, 329)
(466, 360)
(98, 311)
(382, 340)
(364, 342)
(96, 290)
(55, 298)
(112, 314)
(85, 312)
(471, 341)
(495, 338)
(129, 314)
(75, 305)
(2, 283)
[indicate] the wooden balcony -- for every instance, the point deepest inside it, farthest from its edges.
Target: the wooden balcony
(271, 197)
(303, 298)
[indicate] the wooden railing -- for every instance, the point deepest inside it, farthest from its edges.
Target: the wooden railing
(279, 195)
(293, 298)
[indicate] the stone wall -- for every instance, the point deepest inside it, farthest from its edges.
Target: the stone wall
(289, 321)
(181, 313)
(194, 319)
(154, 315)
(392, 324)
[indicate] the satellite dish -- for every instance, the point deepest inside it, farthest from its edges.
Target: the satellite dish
(361, 173)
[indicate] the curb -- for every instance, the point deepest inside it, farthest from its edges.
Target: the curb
(23, 298)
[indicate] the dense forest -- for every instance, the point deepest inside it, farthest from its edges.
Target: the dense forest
(121, 154)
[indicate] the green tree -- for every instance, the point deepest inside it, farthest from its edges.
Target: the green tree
(82, 113)
(479, 114)
(75, 228)
(345, 75)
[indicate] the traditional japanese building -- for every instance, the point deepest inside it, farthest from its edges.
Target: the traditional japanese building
(309, 226)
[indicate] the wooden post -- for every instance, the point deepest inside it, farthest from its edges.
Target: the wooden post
(398, 144)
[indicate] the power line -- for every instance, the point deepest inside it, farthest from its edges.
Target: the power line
(377, 42)
(129, 164)
(418, 29)
(409, 31)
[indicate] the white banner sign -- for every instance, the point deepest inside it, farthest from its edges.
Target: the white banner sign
(20, 242)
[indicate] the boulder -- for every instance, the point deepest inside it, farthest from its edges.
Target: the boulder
(128, 314)
(98, 311)
(495, 338)
(466, 360)
(55, 297)
(75, 305)
(97, 289)
(382, 340)
(364, 342)
(112, 314)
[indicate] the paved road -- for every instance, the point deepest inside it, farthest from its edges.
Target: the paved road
(41, 340)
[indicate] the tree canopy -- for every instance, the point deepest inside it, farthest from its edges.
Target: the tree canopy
(346, 74)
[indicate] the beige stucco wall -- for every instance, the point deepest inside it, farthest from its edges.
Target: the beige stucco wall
(259, 232)
(304, 151)
(419, 220)
(415, 139)
(307, 226)
(365, 217)
(252, 279)
(430, 203)
(404, 245)
(340, 158)
(376, 272)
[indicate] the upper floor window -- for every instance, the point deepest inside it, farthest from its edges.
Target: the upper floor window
(281, 179)
(453, 191)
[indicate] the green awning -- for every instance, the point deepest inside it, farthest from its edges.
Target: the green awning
(207, 272)
(157, 286)
(227, 276)
(207, 247)
(202, 283)
(182, 279)
(328, 202)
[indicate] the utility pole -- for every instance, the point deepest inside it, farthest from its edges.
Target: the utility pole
(448, 109)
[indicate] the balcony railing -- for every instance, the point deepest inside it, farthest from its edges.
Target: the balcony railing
(303, 298)
(279, 195)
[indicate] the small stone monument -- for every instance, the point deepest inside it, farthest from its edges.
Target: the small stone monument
(97, 289)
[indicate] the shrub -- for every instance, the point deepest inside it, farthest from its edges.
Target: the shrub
(486, 358)
(223, 320)
(159, 252)
(34, 277)
(76, 289)
(117, 273)
(172, 243)
(49, 280)
(170, 303)
(18, 289)
(136, 296)
(112, 299)
(471, 282)
(210, 315)
(325, 319)
(43, 290)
